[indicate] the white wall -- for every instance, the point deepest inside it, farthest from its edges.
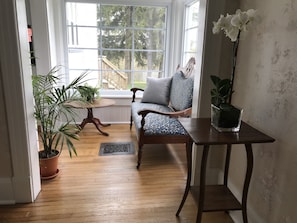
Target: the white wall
(19, 176)
(213, 59)
(42, 47)
(117, 113)
(265, 86)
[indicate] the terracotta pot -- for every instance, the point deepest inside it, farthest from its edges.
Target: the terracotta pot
(49, 167)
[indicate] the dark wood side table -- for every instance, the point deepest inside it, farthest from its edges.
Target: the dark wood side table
(218, 197)
(98, 103)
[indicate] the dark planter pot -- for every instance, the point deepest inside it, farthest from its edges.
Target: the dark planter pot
(226, 118)
(49, 166)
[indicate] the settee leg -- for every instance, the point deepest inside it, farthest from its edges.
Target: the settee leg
(131, 120)
(139, 156)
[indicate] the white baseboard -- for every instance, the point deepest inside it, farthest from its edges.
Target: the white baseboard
(6, 192)
(7, 202)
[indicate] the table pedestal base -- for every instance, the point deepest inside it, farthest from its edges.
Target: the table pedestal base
(95, 121)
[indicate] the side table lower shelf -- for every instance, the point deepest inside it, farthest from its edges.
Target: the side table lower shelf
(217, 198)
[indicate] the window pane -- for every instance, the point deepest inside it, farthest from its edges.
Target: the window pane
(121, 60)
(82, 59)
(191, 31)
(148, 61)
(187, 56)
(82, 37)
(117, 38)
(192, 15)
(81, 14)
(115, 79)
(191, 40)
(149, 39)
(150, 17)
(116, 16)
(140, 77)
(92, 79)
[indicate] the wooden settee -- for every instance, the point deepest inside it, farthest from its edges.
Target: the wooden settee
(155, 116)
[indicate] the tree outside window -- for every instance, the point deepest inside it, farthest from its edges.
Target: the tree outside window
(120, 45)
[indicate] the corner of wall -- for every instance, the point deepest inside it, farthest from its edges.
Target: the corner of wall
(6, 192)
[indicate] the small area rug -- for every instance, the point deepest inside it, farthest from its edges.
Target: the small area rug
(116, 148)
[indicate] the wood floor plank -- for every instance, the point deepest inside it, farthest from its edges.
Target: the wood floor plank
(93, 188)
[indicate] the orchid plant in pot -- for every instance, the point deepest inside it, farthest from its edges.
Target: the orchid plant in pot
(225, 116)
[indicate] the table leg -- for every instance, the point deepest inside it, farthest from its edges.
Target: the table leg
(227, 164)
(189, 146)
(202, 183)
(95, 121)
(249, 170)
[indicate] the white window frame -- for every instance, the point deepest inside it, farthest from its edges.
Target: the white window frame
(168, 57)
(187, 5)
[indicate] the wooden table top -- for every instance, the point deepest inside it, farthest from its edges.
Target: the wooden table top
(98, 103)
(202, 133)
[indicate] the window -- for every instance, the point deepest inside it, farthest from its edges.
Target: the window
(119, 45)
(191, 30)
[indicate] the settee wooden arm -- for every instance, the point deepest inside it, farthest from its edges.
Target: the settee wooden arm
(134, 90)
(184, 113)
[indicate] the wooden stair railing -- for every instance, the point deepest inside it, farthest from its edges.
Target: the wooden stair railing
(113, 79)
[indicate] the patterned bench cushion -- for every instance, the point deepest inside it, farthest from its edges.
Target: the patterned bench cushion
(156, 124)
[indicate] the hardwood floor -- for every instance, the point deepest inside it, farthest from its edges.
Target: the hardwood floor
(92, 188)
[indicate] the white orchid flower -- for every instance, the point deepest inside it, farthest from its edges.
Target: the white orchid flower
(226, 21)
(232, 33)
(233, 24)
(252, 14)
(239, 20)
(216, 28)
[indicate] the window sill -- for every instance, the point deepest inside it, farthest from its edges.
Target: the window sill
(123, 94)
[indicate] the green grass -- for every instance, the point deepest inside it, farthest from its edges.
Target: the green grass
(141, 85)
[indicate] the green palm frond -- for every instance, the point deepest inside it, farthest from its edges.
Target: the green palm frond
(50, 98)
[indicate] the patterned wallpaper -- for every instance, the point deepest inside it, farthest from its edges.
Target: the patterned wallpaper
(266, 87)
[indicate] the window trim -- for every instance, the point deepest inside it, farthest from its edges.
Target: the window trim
(187, 4)
(168, 57)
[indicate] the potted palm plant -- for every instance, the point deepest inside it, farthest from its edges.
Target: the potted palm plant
(54, 118)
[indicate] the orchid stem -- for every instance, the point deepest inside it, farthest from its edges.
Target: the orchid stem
(235, 48)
